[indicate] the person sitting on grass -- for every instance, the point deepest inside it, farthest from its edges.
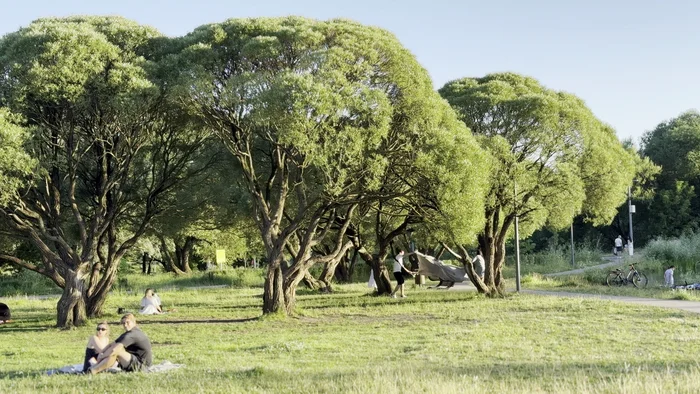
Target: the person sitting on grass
(96, 345)
(132, 350)
(150, 303)
(5, 314)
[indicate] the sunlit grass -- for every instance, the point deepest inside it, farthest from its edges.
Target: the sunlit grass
(433, 341)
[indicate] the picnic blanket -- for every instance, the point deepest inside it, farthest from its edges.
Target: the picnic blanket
(434, 268)
(78, 368)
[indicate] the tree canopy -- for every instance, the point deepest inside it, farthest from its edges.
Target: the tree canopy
(552, 159)
(16, 165)
(316, 114)
(109, 146)
(675, 146)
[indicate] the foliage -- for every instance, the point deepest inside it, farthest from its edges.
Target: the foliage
(682, 252)
(109, 145)
(16, 165)
(316, 114)
(675, 146)
(25, 282)
(552, 159)
(555, 259)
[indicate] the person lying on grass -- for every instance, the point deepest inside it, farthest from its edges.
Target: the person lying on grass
(132, 350)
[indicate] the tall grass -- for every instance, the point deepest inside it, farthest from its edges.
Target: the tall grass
(554, 259)
(683, 252)
(30, 283)
(26, 282)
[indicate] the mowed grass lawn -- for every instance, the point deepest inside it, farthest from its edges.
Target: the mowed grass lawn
(349, 342)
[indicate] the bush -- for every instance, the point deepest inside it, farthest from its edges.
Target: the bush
(554, 259)
(681, 252)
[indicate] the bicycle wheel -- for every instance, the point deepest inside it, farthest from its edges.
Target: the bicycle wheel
(614, 279)
(639, 279)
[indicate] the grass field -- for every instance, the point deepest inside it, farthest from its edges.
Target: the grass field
(350, 342)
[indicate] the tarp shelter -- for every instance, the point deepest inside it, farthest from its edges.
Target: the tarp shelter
(436, 269)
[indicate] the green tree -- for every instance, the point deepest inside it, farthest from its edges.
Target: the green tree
(197, 212)
(308, 109)
(436, 185)
(16, 169)
(675, 146)
(109, 145)
(16, 165)
(551, 160)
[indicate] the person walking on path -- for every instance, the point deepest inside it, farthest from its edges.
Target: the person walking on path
(618, 246)
(668, 276)
(399, 270)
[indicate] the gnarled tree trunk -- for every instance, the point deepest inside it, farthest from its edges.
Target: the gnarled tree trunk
(311, 282)
(273, 296)
(70, 310)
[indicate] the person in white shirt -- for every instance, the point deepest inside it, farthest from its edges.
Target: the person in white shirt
(618, 246)
(150, 303)
(371, 282)
(399, 269)
(668, 276)
(479, 264)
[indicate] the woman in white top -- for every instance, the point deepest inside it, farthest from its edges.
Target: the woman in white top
(150, 303)
(399, 269)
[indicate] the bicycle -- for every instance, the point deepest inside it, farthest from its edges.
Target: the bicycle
(617, 277)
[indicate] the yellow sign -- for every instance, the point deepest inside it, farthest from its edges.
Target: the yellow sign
(220, 256)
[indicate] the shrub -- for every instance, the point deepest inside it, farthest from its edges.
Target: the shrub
(682, 252)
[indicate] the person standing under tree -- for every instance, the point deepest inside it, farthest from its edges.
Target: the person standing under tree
(479, 264)
(399, 270)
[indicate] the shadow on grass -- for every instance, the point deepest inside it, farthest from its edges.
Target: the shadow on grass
(199, 321)
(382, 301)
(9, 328)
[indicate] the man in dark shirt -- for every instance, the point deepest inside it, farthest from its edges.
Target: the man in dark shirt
(132, 350)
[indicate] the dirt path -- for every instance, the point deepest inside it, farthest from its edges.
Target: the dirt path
(612, 261)
(690, 306)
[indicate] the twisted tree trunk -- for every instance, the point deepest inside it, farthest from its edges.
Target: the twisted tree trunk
(70, 310)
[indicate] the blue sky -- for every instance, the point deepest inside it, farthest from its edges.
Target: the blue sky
(635, 63)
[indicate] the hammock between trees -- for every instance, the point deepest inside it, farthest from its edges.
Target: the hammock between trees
(437, 270)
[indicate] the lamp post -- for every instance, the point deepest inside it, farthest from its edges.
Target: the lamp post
(573, 255)
(517, 238)
(631, 209)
